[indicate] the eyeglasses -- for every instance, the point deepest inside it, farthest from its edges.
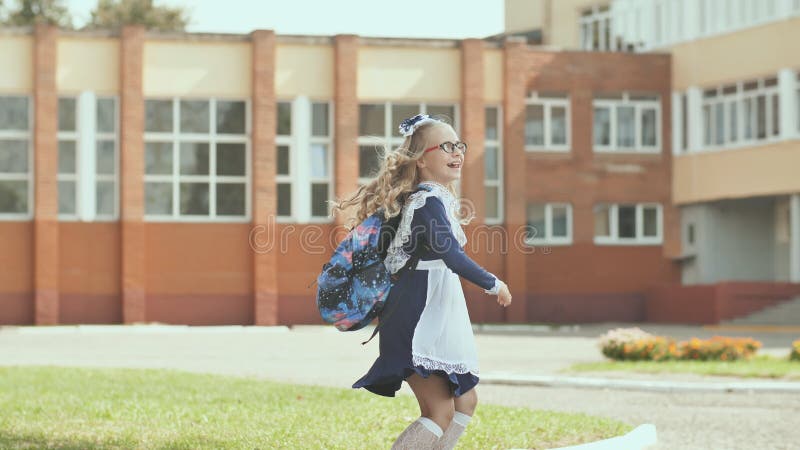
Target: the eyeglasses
(450, 147)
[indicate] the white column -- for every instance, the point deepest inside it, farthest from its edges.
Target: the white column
(694, 123)
(87, 147)
(677, 131)
(794, 238)
(783, 8)
(301, 133)
(787, 97)
(691, 23)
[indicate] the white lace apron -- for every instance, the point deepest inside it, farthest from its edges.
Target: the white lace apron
(443, 338)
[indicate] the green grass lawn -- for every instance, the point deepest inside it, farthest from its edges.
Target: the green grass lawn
(73, 408)
(760, 366)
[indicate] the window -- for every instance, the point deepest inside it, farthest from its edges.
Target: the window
(321, 159)
(197, 160)
(741, 113)
(16, 167)
(493, 163)
(304, 160)
(67, 157)
(596, 29)
(549, 223)
(378, 128)
(547, 122)
(87, 158)
(684, 123)
(627, 123)
(283, 158)
(797, 99)
(628, 224)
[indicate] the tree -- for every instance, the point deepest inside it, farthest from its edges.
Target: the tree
(32, 12)
(116, 13)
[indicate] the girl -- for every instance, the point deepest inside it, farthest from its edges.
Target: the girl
(427, 340)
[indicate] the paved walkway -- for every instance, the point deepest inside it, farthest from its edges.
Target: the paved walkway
(686, 418)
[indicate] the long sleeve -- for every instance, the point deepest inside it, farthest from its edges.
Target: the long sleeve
(431, 224)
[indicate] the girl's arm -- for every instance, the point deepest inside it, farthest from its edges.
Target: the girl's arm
(430, 223)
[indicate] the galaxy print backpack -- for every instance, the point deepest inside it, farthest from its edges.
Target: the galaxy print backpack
(354, 285)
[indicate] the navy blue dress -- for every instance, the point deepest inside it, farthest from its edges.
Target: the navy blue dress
(444, 346)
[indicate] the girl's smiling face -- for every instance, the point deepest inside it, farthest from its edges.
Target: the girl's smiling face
(438, 165)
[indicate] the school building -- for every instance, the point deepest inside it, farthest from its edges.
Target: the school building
(628, 161)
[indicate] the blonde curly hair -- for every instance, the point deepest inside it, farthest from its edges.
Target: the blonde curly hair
(394, 181)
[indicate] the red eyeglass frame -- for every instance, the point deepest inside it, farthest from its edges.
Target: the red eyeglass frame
(433, 148)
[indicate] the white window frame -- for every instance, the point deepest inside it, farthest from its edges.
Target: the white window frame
(72, 136)
(86, 152)
(329, 142)
(797, 95)
(639, 107)
(497, 143)
(284, 140)
(29, 176)
(106, 136)
(212, 138)
(640, 239)
(739, 98)
(601, 19)
(687, 20)
(389, 140)
(548, 238)
(547, 104)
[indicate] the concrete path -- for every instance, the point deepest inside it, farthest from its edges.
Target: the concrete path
(685, 418)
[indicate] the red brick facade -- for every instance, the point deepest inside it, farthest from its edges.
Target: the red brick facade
(585, 281)
(265, 264)
(244, 273)
(132, 167)
(45, 163)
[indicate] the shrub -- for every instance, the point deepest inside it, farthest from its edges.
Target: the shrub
(719, 348)
(634, 344)
(795, 354)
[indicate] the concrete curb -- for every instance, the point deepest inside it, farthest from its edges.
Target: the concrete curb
(641, 437)
(640, 385)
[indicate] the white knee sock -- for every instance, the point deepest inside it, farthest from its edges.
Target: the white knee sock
(421, 434)
(453, 432)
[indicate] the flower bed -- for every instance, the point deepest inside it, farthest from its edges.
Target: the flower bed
(795, 354)
(634, 344)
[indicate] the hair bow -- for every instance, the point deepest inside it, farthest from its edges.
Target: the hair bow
(408, 126)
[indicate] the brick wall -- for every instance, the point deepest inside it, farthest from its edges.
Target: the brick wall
(45, 188)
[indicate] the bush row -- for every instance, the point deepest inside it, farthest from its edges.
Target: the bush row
(634, 344)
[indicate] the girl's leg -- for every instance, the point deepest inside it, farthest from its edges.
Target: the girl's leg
(436, 409)
(464, 409)
(434, 398)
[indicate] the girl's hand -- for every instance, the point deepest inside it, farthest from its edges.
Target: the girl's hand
(504, 295)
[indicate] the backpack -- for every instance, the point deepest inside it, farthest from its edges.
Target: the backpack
(354, 284)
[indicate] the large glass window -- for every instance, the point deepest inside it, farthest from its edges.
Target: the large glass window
(797, 99)
(197, 163)
(283, 159)
(15, 157)
(378, 129)
(547, 122)
(493, 165)
(549, 223)
(596, 29)
(96, 143)
(741, 113)
(321, 159)
(638, 223)
(627, 123)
